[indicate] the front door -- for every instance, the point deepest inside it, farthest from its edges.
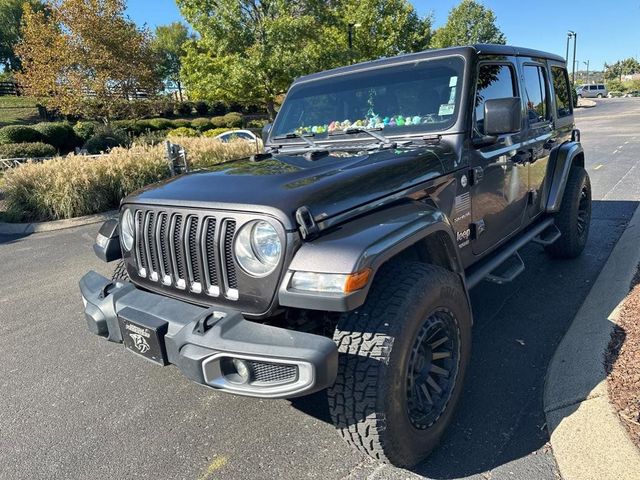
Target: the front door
(500, 169)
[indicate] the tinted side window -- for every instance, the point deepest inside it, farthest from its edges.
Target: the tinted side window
(494, 81)
(562, 91)
(536, 94)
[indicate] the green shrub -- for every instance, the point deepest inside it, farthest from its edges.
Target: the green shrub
(217, 108)
(257, 124)
(201, 124)
(184, 108)
(215, 132)
(85, 130)
(59, 134)
(202, 108)
(160, 123)
(233, 120)
(183, 132)
(19, 134)
(138, 127)
(181, 122)
(105, 139)
(27, 150)
(151, 138)
(218, 122)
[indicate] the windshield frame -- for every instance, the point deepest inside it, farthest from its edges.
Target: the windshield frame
(451, 127)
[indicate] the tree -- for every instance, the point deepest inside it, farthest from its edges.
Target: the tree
(468, 23)
(10, 20)
(383, 28)
(249, 51)
(85, 58)
(628, 66)
(168, 44)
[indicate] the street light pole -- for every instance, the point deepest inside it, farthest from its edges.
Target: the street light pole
(570, 34)
(350, 28)
(575, 41)
(587, 64)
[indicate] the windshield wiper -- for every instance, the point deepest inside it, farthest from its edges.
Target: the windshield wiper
(309, 142)
(384, 141)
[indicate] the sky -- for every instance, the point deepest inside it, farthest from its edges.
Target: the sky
(610, 33)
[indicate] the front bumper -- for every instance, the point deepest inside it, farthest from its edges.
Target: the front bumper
(201, 341)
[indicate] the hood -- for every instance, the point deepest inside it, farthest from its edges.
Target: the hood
(280, 185)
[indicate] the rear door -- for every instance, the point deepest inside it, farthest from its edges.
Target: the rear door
(500, 180)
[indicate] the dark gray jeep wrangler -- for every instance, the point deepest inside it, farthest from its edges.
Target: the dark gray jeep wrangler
(341, 258)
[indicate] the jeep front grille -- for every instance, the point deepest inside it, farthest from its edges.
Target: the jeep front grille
(187, 252)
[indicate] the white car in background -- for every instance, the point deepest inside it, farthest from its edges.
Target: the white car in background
(231, 135)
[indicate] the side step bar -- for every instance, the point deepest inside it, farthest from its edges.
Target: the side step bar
(486, 268)
(547, 237)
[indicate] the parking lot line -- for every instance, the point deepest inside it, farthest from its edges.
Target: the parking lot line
(598, 167)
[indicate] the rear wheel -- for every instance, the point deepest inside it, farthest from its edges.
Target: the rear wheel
(599, 95)
(403, 356)
(574, 217)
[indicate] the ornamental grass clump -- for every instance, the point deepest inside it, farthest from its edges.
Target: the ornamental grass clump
(74, 186)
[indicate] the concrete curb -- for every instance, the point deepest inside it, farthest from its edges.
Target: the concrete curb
(37, 227)
(586, 104)
(587, 438)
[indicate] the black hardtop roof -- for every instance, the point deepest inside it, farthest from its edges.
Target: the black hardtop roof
(478, 49)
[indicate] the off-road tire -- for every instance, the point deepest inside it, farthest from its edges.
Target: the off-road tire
(572, 241)
(368, 402)
(120, 272)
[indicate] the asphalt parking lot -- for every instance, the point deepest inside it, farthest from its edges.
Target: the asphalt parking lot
(75, 406)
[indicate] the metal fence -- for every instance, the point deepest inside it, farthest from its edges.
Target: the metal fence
(7, 163)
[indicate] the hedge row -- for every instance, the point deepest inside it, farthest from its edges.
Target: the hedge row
(202, 124)
(27, 150)
(74, 186)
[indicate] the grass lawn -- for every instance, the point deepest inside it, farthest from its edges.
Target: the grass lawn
(17, 110)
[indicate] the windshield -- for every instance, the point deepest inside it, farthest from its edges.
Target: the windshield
(400, 99)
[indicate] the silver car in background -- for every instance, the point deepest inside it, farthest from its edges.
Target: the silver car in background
(597, 90)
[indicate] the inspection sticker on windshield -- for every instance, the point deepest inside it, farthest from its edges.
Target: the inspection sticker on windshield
(453, 81)
(446, 109)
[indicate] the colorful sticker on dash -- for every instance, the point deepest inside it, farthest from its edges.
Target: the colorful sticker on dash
(446, 109)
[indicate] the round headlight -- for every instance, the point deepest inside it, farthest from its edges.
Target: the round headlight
(127, 229)
(258, 248)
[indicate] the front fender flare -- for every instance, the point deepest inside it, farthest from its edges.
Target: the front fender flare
(367, 242)
(560, 164)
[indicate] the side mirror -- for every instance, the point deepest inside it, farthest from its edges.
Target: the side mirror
(502, 115)
(265, 132)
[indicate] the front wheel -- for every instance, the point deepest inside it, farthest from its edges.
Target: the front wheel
(574, 218)
(599, 95)
(403, 357)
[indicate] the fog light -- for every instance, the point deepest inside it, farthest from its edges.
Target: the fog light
(242, 369)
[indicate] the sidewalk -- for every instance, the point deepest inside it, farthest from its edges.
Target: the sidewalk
(587, 438)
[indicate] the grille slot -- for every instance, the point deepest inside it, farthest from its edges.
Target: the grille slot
(187, 251)
(208, 243)
(140, 256)
(230, 230)
(272, 372)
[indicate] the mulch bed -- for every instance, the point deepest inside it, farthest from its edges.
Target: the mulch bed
(623, 363)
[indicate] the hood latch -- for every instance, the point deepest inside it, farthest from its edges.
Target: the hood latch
(308, 227)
